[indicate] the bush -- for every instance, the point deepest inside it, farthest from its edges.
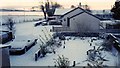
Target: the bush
(62, 62)
(10, 24)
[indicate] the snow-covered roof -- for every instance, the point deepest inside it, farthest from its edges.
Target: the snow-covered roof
(21, 41)
(61, 11)
(3, 46)
(101, 12)
(117, 0)
(1, 33)
(108, 22)
(3, 28)
(85, 12)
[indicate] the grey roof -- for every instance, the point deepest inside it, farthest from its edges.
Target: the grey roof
(72, 11)
(61, 11)
(87, 13)
(64, 12)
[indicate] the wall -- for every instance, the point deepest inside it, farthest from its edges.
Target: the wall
(84, 23)
(4, 56)
(64, 19)
(60, 29)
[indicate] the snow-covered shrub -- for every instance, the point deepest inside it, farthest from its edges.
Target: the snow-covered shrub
(10, 24)
(107, 43)
(62, 62)
(95, 58)
(43, 50)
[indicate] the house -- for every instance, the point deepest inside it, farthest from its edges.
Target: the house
(110, 26)
(107, 16)
(78, 20)
(4, 56)
(103, 14)
(55, 19)
(75, 11)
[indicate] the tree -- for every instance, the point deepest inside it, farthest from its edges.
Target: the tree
(116, 10)
(57, 5)
(43, 10)
(87, 8)
(48, 8)
(72, 6)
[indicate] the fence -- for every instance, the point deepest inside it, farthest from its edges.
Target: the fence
(37, 54)
(78, 34)
(60, 29)
(110, 30)
(116, 44)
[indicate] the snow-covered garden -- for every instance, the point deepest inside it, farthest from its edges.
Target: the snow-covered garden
(78, 50)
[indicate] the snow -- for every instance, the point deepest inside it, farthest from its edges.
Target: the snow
(21, 41)
(3, 28)
(117, 0)
(19, 18)
(3, 46)
(61, 11)
(75, 48)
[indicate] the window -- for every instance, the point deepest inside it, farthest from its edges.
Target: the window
(60, 20)
(68, 22)
(64, 19)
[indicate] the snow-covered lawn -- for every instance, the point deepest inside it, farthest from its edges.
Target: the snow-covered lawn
(75, 49)
(19, 18)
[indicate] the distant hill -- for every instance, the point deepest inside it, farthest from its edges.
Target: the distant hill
(19, 10)
(10, 10)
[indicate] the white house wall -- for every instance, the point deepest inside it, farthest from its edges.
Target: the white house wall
(64, 19)
(84, 22)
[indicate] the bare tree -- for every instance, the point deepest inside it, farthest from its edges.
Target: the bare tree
(72, 6)
(116, 10)
(48, 8)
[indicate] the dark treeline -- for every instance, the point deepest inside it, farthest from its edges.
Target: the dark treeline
(116, 10)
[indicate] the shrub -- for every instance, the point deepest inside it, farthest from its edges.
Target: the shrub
(62, 62)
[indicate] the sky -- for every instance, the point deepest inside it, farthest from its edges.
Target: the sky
(25, 4)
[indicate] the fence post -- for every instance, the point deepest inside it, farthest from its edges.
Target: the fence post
(36, 57)
(118, 59)
(73, 63)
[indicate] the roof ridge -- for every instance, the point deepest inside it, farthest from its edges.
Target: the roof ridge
(72, 10)
(87, 13)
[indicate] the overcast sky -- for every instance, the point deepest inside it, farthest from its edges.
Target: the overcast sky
(94, 4)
